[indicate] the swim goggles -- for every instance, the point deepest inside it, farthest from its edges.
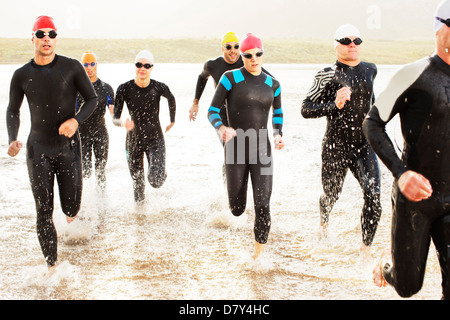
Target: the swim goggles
(92, 64)
(249, 55)
(229, 46)
(347, 41)
(41, 34)
(446, 22)
(146, 65)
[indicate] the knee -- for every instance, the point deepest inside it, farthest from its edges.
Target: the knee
(237, 210)
(157, 182)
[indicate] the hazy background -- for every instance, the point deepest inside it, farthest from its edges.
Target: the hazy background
(287, 19)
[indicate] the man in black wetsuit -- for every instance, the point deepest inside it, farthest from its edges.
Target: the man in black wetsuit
(144, 134)
(93, 132)
(248, 94)
(343, 93)
(420, 94)
(51, 82)
(231, 59)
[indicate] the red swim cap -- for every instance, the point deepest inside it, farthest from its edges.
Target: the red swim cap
(250, 41)
(43, 22)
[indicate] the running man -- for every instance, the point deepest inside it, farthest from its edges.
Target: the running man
(247, 146)
(144, 134)
(419, 93)
(343, 93)
(51, 82)
(93, 132)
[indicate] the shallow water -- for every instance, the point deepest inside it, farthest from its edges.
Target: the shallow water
(184, 243)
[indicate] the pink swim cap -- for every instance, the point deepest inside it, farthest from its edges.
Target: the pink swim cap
(250, 41)
(43, 22)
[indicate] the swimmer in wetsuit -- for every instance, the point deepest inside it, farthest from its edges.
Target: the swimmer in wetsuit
(144, 134)
(51, 82)
(343, 93)
(249, 94)
(93, 132)
(419, 93)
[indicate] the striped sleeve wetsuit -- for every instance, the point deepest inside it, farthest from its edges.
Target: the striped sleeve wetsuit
(249, 99)
(419, 93)
(344, 145)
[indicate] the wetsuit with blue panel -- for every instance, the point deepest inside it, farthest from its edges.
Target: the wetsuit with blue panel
(94, 133)
(344, 145)
(419, 93)
(51, 91)
(248, 100)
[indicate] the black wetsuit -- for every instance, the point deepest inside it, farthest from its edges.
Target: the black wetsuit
(147, 136)
(94, 134)
(420, 94)
(51, 91)
(248, 101)
(344, 145)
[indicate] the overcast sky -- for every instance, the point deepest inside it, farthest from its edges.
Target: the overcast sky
(381, 19)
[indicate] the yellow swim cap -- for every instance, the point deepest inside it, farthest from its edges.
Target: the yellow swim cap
(229, 37)
(88, 56)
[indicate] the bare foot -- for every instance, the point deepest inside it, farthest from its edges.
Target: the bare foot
(378, 277)
(259, 248)
(70, 219)
(323, 230)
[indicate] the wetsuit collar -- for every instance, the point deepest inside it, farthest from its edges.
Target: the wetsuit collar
(345, 66)
(441, 63)
(51, 64)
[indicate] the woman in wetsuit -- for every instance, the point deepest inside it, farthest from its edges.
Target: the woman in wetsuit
(419, 94)
(93, 132)
(144, 134)
(343, 93)
(249, 94)
(51, 82)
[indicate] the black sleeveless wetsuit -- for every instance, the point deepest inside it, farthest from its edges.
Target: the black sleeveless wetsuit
(248, 100)
(51, 91)
(94, 134)
(344, 145)
(147, 136)
(420, 94)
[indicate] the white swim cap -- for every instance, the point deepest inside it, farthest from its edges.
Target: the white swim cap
(443, 12)
(145, 54)
(346, 30)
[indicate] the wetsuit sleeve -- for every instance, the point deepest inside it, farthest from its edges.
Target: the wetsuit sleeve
(171, 100)
(16, 95)
(277, 116)
(390, 103)
(109, 95)
(118, 105)
(318, 102)
(218, 101)
(202, 80)
(87, 91)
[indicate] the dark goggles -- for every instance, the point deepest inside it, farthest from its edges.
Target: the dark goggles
(41, 34)
(249, 55)
(92, 64)
(347, 41)
(229, 46)
(446, 22)
(146, 65)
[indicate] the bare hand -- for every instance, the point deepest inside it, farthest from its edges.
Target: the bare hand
(414, 186)
(129, 124)
(68, 128)
(14, 148)
(170, 126)
(279, 144)
(342, 96)
(226, 133)
(193, 111)
(111, 109)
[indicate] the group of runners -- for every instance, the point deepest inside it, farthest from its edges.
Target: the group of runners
(68, 103)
